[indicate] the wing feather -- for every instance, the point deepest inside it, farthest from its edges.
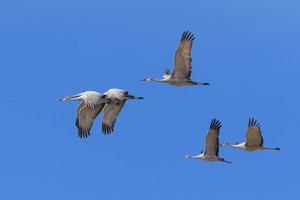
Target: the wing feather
(110, 115)
(85, 118)
(183, 60)
(253, 135)
(212, 138)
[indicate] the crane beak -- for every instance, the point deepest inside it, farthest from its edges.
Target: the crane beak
(147, 79)
(187, 156)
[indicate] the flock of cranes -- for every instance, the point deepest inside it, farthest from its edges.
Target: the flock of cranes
(113, 100)
(254, 142)
(92, 103)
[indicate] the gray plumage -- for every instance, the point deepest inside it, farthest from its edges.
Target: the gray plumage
(212, 139)
(111, 111)
(183, 59)
(181, 75)
(91, 105)
(211, 152)
(85, 118)
(254, 139)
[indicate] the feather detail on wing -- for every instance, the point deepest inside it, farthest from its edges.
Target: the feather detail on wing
(85, 118)
(253, 135)
(212, 138)
(110, 115)
(183, 60)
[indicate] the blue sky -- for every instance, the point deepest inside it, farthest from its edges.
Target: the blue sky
(247, 50)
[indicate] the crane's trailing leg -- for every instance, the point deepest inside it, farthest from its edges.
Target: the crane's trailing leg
(198, 83)
(134, 97)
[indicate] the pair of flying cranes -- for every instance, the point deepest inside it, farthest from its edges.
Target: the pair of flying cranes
(112, 102)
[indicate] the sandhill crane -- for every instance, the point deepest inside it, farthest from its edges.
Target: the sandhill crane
(183, 65)
(254, 139)
(211, 152)
(91, 105)
(118, 98)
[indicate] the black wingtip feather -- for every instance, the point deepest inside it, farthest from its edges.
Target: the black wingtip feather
(82, 133)
(215, 124)
(187, 36)
(253, 123)
(183, 35)
(107, 129)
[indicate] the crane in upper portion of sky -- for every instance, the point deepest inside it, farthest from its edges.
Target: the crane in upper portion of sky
(254, 139)
(181, 75)
(211, 152)
(92, 103)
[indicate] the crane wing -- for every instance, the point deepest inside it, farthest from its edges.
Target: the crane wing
(110, 114)
(253, 135)
(85, 118)
(183, 60)
(212, 139)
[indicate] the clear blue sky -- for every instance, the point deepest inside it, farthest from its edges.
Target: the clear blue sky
(248, 51)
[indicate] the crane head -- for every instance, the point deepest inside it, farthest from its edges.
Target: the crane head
(147, 79)
(64, 98)
(69, 98)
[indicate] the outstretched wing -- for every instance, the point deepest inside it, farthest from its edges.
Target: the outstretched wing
(110, 115)
(253, 135)
(212, 138)
(85, 118)
(183, 60)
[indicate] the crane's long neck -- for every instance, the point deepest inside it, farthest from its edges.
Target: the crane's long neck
(226, 144)
(238, 146)
(153, 80)
(194, 157)
(72, 98)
